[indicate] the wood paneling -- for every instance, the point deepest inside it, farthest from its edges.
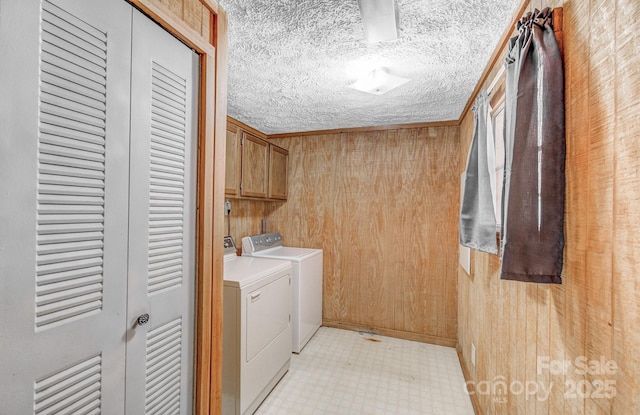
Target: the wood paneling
(595, 313)
(367, 129)
(192, 15)
(383, 206)
(196, 14)
(626, 222)
(246, 218)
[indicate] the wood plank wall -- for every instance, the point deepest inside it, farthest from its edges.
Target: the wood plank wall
(595, 314)
(193, 12)
(391, 199)
(245, 218)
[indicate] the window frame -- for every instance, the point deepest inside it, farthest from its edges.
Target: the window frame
(497, 100)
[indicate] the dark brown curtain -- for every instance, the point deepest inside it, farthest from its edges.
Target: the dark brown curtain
(533, 199)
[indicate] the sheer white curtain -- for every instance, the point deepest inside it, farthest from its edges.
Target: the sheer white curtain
(477, 213)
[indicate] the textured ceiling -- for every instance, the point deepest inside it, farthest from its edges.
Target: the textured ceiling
(291, 61)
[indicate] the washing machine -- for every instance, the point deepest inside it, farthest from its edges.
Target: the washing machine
(306, 287)
(256, 351)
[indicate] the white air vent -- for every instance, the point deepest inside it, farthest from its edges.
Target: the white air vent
(380, 19)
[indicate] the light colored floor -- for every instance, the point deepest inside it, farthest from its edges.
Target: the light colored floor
(346, 372)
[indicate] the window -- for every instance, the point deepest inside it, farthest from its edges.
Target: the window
(496, 101)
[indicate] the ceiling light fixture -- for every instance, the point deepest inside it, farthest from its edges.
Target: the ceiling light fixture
(378, 82)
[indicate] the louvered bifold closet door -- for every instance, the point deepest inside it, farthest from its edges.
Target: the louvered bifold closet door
(64, 134)
(162, 222)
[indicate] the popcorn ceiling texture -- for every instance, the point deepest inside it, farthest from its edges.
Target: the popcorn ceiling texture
(291, 61)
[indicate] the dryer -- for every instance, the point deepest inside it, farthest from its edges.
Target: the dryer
(257, 329)
(306, 287)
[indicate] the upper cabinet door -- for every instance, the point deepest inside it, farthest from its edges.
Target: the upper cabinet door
(64, 148)
(232, 166)
(255, 164)
(278, 170)
(255, 169)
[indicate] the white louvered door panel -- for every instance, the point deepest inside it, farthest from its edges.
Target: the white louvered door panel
(162, 222)
(64, 145)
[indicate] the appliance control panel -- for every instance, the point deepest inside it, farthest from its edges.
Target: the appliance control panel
(229, 245)
(257, 243)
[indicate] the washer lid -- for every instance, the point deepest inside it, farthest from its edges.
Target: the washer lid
(243, 271)
(286, 252)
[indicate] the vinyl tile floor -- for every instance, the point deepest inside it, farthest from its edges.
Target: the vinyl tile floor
(347, 372)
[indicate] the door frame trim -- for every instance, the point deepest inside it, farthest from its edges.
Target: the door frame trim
(212, 119)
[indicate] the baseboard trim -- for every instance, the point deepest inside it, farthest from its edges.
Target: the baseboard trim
(470, 386)
(399, 334)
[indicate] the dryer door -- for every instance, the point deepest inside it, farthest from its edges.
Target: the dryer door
(267, 314)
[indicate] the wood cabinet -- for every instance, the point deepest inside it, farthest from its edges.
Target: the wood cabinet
(278, 163)
(232, 167)
(255, 168)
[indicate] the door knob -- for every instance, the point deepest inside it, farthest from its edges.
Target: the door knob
(143, 319)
